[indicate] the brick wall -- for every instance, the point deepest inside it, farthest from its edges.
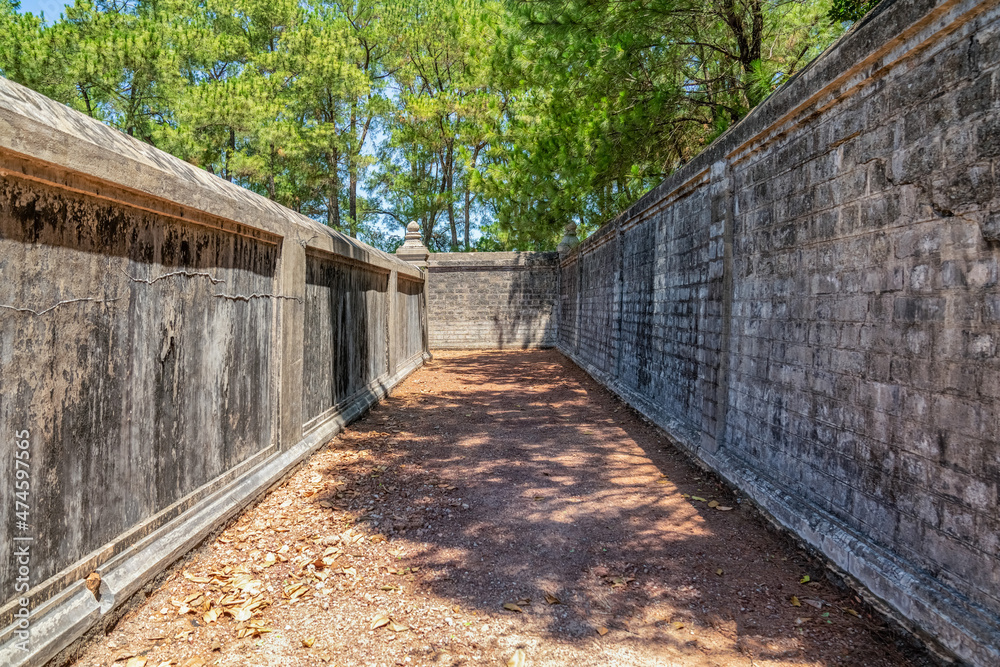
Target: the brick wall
(492, 299)
(811, 307)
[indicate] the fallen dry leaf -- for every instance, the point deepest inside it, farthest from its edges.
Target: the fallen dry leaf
(137, 661)
(602, 631)
(552, 599)
(379, 622)
(94, 584)
(713, 503)
(795, 602)
(308, 642)
(519, 659)
(510, 606)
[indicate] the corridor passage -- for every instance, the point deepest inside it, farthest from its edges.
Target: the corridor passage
(500, 507)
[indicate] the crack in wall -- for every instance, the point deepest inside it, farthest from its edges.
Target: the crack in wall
(188, 274)
(39, 313)
(248, 297)
(145, 281)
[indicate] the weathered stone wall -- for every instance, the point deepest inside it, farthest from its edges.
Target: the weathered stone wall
(170, 347)
(411, 317)
(812, 307)
(116, 329)
(492, 299)
(347, 320)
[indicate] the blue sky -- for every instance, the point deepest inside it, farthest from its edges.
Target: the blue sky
(51, 8)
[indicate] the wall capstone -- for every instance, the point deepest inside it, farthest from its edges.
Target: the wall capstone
(413, 249)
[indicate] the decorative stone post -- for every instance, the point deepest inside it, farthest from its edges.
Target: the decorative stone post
(413, 250)
(569, 239)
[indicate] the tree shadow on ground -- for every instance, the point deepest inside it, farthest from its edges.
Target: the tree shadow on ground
(515, 477)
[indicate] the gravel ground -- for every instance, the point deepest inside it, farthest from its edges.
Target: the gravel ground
(500, 508)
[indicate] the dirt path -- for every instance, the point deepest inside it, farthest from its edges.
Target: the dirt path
(490, 480)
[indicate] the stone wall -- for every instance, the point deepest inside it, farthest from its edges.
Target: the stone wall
(347, 319)
(812, 308)
(492, 299)
(171, 346)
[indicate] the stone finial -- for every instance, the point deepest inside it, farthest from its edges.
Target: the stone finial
(569, 239)
(413, 250)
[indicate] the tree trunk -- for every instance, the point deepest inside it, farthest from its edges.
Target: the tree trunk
(428, 227)
(449, 173)
(230, 149)
(333, 191)
(468, 195)
(353, 199)
(748, 39)
(86, 98)
(270, 174)
(467, 203)
(352, 169)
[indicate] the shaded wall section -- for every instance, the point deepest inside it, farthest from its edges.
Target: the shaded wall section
(171, 346)
(810, 307)
(411, 317)
(346, 333)
(492, 299)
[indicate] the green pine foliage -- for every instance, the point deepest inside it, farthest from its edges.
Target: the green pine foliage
(492, 123)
